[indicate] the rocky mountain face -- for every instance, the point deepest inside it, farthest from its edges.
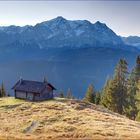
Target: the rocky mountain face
(60, 32)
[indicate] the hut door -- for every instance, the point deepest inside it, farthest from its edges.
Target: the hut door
(30, 96)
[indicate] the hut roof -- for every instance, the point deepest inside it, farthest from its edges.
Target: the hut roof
(32, 86)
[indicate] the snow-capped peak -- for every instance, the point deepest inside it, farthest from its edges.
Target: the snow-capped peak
(100, 25)
(59, 18)
(62, 32)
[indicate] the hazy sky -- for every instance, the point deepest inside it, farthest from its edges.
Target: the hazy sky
(121, 16)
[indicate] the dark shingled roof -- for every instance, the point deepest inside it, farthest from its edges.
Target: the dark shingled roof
(31, 86)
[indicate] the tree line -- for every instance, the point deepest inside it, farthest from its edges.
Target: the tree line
(121, 92)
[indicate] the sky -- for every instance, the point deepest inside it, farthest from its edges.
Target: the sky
(123, 17)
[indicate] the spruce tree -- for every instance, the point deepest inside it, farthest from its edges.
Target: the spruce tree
(138, 101)
(61, 94)
(115, 90)
(69, 94)
(132, 91)
(136, 70)
(97, 98)
(45, 80)
(3, 92)
(131, 109)
(106, 97)
(136, 77)
(120, 92)
(138, 116)
(89, 95)
(0, 93)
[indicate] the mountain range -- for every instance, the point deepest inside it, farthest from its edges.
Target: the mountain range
(71, 54)
(132, 40)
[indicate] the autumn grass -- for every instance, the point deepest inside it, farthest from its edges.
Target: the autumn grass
(9, 101)
(62, 119)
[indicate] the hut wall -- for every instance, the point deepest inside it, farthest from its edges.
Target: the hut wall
(47, 94)
(38, 97)
(20, 94)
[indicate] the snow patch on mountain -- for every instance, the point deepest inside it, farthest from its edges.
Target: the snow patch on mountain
(60, 32)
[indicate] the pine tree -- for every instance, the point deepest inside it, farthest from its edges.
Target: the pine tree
(61, 94)
(45, 80)
(120, 84)
(0, 93)
(132, 89)
(131, 109)
(138, 101)
(136, 75)
(138, 116)
(69, 94)
(106, 97)
(3, 92)
(115, 91)
(97, 98)
(109, 95)
(136, 70)
(89, 95)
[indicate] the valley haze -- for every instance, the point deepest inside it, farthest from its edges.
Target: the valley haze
(72, 54)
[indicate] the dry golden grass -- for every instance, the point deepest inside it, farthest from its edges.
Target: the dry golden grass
(62, 119)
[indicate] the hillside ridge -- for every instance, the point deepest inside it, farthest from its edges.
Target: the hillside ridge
(62, 118)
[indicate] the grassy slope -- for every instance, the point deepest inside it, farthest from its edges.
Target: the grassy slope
(62, 119)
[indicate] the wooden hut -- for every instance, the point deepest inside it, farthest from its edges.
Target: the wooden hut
(33, 90)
